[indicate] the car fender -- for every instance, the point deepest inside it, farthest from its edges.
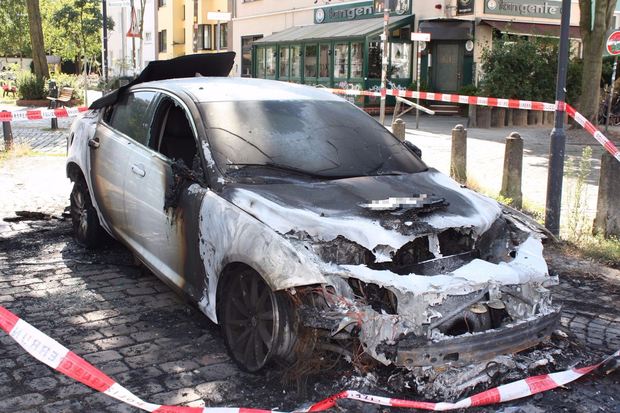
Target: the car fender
(83, 128)
(227, 234)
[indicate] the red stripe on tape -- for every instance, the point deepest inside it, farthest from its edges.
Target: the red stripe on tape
(7, 320)
(486, 397)
(539, 384)
(61, 113)
(34, 115)
(79, 369)
(246, 410)
(609, 145)
(327, 403)
(538, 106)
(472, 100)
(6, 116)
(82, 108)
(590, 128)
(410, 404)
(491, 101)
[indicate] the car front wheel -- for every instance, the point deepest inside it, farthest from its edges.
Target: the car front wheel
(258, 323)
(86, 227)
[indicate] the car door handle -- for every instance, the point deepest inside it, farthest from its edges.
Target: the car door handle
(138, 170)
(93, 142)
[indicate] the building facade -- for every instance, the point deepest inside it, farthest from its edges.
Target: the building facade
(337, 42)
(183, 27)
(126, 55)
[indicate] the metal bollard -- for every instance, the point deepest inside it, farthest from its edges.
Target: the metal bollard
(54, 125)
(399, 129)
(513, 170)
(458, 157)
(8, 135)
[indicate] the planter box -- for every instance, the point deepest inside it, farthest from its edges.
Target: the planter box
(498, 117)
(519, 117)
(483, 117)
(43, 102)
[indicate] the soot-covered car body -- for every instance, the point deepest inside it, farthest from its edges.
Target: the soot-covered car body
(281, 209)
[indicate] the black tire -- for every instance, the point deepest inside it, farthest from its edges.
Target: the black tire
(86, 227)
(258, 324)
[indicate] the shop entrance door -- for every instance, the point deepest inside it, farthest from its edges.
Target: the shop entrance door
(448, 65)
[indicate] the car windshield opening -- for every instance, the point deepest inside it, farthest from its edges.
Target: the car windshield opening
(330, 139)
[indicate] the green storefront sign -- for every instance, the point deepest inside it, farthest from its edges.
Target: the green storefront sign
(361, 10)
(524, 8)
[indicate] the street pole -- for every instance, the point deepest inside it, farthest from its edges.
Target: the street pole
(104, 63)
(611, 93)
(384, 61)
(418, 71)
(558, 136)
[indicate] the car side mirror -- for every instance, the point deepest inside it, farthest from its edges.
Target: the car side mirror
(413, 148)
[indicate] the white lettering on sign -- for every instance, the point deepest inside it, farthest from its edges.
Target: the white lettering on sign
(420, 37)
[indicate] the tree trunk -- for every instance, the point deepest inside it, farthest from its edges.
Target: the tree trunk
(593, 47)
(36, 38)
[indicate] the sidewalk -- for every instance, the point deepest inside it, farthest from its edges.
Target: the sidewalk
(485, 156)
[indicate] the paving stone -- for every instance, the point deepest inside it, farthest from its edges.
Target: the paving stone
(64, 406)
(103, 356)
(19, 402)
(174, 397)
(42, 384)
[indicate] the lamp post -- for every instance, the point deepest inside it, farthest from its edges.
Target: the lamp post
(104, 60)
(558, 136)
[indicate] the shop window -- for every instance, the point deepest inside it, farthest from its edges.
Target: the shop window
(284, 62)
(324, 60)
(310, 61)
(341, 60)
(401, 56)
(296, 61)
(260, 62)
(357, 59)
(161, 39)
(205, 36)
(374, 60)
(246, 54)
(270, 61)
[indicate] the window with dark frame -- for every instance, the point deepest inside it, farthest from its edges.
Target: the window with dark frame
(205, 36)
(161, 38)
(223, 35)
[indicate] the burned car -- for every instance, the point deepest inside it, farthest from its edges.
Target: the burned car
(281, 209)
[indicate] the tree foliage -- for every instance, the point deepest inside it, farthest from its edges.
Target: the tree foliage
(73, 28)
(14, 37)
(525, 68)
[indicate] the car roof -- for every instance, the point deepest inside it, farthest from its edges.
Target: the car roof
(225, 89)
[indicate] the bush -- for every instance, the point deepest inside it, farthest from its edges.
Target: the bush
(29, 87)
(517, 68)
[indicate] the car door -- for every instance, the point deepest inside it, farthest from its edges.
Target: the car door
(161, 218)
(122, 124)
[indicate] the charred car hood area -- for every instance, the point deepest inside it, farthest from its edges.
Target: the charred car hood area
(424, 272)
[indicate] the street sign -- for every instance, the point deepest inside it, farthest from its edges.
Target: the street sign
(220, 16)
(420, 37)
(118, 3)
(613, 43)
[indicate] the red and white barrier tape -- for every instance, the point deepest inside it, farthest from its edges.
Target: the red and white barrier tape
(58, 357)
(38, 114)
(495, 102)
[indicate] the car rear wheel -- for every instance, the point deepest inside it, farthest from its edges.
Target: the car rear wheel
(257, 322)
(86, 227)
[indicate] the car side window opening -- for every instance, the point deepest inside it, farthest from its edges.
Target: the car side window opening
(175, 135)
(132, 115)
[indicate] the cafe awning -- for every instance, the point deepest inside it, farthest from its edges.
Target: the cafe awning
(326, 31)
(531, 29)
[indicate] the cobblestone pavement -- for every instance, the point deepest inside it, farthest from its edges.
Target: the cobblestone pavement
(39, 136)
(134, 328)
